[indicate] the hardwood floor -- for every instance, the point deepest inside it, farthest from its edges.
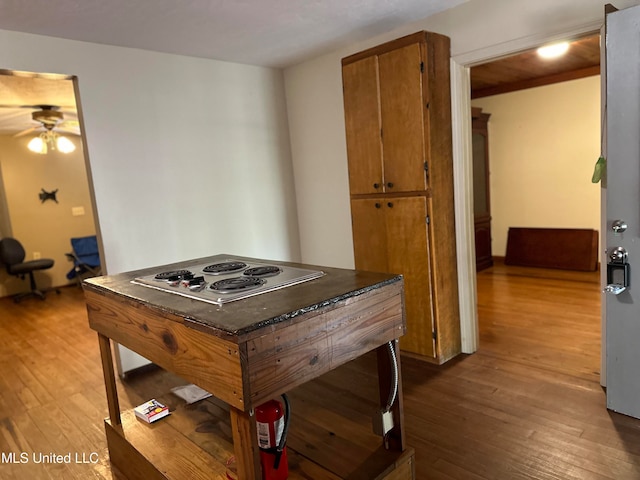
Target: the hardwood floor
(527, 405)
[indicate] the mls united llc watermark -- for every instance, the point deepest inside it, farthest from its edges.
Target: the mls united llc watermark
(50, 457)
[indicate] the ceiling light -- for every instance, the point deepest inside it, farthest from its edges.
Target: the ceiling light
(50, 140)
(553, 51)
(65, 145)
(37, 145)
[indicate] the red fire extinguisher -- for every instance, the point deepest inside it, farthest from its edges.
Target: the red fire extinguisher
(272, 422)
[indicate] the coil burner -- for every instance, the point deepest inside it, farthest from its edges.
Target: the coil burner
(236, 284)
(224, 267)
(227, 280)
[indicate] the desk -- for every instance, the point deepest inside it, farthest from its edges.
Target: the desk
(247, 352)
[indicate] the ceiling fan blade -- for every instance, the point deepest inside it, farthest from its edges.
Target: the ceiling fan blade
(65, 131)
(14, 116)
(41, 107)
(68, 124)
(26, 132)
(15, 106)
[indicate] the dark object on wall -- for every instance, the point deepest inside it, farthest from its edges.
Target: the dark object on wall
(85, 257)
(12, 255)
(481, 188)
(44, 195)
(563, 248)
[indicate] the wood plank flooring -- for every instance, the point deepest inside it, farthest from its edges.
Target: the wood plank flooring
(527, 405)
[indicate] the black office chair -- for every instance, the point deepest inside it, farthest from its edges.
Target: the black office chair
(12, 254)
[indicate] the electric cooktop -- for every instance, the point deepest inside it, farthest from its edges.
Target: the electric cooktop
(228, 280)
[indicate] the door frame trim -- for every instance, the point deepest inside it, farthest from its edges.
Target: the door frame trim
(463, 166)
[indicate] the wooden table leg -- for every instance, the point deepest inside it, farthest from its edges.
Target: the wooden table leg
(245, 445)
(394, 440)
(110, 380)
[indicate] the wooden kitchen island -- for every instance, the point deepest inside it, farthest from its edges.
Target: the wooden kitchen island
(245, 353)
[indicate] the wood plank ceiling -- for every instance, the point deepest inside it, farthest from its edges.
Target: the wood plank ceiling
(527, 69)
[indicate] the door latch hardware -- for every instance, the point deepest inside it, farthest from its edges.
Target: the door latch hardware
(618, 273)
(615, 289)
(619, 226)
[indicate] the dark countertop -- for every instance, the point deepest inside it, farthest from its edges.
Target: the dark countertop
(244, 316)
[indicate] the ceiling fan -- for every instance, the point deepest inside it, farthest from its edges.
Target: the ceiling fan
(51, 122)
(50, 117)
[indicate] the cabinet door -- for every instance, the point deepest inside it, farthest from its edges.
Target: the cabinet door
(369, 234)
(362, 124)
(401, 108)
(408, 254)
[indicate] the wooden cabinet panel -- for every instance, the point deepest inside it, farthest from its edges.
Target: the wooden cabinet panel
(390, 236)
(408, 254)
(369, 235)
(384, 122)
(362, 123)
(407, 224)
(401, 109)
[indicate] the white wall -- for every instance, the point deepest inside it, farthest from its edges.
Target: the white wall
(44, 227)
(189, 157)
(316, 120)
(543, 145)
(314, 96)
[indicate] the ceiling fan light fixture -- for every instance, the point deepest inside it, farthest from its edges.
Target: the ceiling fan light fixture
(554, 50)
(64, 145)
(50, 140)
(37, 145)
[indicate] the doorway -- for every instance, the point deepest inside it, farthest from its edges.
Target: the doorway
(46, 195)
(543, 145)
(543, 141)
(463, 169)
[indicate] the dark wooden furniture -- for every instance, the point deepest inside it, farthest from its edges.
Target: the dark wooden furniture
(244, 353)
(481, 188)
(565, 248)
(398, 127)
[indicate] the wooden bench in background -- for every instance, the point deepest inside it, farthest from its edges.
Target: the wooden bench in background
(564, 248)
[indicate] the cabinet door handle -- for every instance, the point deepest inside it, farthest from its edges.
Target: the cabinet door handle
(378, 205)
(390, 205)
(390, 184)
(376, 185)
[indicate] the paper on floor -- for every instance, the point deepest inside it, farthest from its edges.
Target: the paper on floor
(190, 393)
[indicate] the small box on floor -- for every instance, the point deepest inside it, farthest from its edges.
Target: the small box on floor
(151, 411)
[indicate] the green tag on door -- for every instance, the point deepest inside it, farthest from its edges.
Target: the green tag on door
(600, 168)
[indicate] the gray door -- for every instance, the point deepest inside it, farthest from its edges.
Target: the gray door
(623, 204)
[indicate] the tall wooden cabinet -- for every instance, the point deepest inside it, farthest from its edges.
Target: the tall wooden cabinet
(481, 188)
(398, 126)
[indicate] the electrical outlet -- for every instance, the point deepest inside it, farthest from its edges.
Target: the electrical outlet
(382, 422)
(36, 255)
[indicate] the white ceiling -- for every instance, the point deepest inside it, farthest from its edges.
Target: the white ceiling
(270, 33)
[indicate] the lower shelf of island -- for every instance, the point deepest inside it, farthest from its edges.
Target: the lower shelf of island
(195, 442)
